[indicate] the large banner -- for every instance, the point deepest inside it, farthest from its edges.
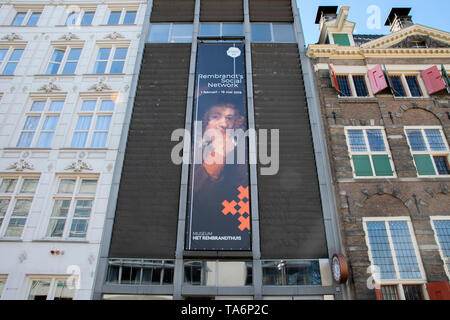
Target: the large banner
(219, 194)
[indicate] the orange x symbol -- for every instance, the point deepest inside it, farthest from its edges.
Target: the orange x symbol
(229, 207)
(243, 192)
(245, 223)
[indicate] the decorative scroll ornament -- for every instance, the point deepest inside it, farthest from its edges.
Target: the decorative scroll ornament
(100, 86)
(12, 36)
(21, 165)
(69, 36)
(114, 36)
(78, 166)
(50, 87)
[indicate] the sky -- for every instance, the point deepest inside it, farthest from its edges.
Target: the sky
(430, 13)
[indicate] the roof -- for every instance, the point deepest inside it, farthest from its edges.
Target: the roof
(363, 38)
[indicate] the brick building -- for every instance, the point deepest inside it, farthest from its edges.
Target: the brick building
(385, 105)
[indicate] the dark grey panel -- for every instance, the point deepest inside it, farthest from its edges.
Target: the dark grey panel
(221, 11)
(172, 11)
(270, 11)
(145, 224)
(291, 221)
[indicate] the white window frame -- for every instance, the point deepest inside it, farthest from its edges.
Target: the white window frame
(27, 17)
(3, 279)
(43, 115)
(13, 197)
(110, 60)
(272, 34)
(397, 282)
(170, 33)
(80, 14)
(429, 152)
(94, 114)
(123, 11)
(71, 280)
(62, 64)
(8, 55)
(353, 87)
(73, 197)
(368, 152)
(445, 259)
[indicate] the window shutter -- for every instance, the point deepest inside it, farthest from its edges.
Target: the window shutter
(382, 165)
(424, 164)
(438, 290)
(341, 39)
(433, 80)
(377, 79)
(445, 76)
(379, 294)
(333, 77)
(362, 166)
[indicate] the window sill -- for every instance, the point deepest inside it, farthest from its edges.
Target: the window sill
(119, 24)
(11, 239)
(93, 75)
(27, 148)
(64, 240)
(54, 75)
(7, 76)
(357, 99)
(411, 98)
(82, 149)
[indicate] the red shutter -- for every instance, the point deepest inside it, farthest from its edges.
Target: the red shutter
(433, 80)
(377, 79)
(438, 290)
(334, 78)
(379, 293)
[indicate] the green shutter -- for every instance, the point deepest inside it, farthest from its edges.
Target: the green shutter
(424, 164)
(382, 165)
(362, 166)
(341, 39)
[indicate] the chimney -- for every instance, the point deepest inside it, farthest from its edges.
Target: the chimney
(399, 19)
(324, 14)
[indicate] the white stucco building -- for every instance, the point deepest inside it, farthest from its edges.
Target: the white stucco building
(66, 81)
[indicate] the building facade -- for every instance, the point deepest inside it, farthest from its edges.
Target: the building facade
(385, 106)
(66, 79)
(275, 236)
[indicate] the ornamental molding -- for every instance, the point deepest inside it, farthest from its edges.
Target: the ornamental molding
(79, 166)
(21, 165)
(69, 36)
(50, 87)
(100, 86)
(12, 37)
(114, 36)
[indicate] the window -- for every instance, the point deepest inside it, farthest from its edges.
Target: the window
(124, 16)
(369, 152)
(170, 33)
(429, 149)
(344, 86)
(360, 85)
(9, 58)
(441, 227)
(110, 60)
(2, 283)
(341, 39)
(413, 85)
(93, 123)
(82, 17)
(16, 197)
(218, 273)
(72, 206)
(399, 91)
(63, 61)
(291, 272)
(394, 255)
(51, 289)
(140, 272)
(40, 123)
(221, 29)
(272, 32)
(26, 18)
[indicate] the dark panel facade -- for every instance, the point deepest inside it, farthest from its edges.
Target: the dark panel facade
(291, 220)
(145, 224)
(172, 11)
(270, 11)
(221, 11)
